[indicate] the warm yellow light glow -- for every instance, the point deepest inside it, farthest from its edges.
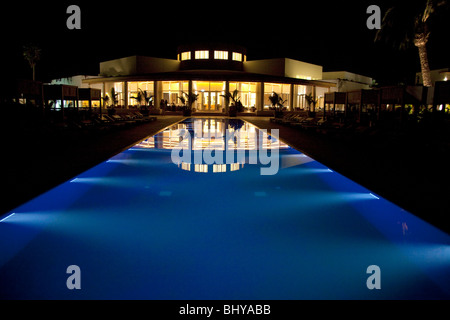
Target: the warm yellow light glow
(234, 166)
(201, 168)
(237, 56)
(186, 166)
(221, 55)
(186, 56)
(202, 54)
(219, 167)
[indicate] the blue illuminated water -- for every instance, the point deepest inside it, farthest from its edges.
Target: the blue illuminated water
(141, 227)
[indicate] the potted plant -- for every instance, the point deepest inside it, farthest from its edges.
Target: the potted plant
(236, 106)
(277, 104)
(311, 101)
(143, 96)
(114, 98)
(187, 99)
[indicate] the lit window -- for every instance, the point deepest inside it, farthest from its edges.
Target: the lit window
(203, 54)
(221, 55)
(186, 56)
(237, 56)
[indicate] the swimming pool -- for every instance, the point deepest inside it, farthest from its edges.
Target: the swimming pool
(154, 223)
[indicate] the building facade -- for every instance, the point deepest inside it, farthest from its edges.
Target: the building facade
(210, 71)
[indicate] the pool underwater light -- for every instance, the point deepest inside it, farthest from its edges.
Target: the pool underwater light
(8, 216)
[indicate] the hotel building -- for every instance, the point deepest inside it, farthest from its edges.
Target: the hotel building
(210, 70)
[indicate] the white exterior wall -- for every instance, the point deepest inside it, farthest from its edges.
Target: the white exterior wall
(284, 67)
(302, 70)
(78, 81)
(137, 65)
(347, 81)
(436, 75)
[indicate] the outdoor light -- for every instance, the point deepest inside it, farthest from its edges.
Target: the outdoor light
(8, 216)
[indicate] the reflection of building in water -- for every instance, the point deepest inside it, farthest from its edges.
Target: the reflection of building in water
(213, 135)
(205, 168)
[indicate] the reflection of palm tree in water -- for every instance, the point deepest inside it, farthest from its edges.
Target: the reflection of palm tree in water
(235, 124)
(404, 228)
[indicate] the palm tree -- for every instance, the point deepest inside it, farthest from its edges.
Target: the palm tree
(311, 101)
(406, 24)
(277, 104)
(114, 97)
(277, 101)
(187, 99)
(142, 96)
(32, 54)
(237, 104)
(139, 97)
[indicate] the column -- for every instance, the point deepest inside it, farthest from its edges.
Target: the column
(125, 94)
(190, 92)
(158, 93)
(227, 90)
(291, 97)
(103, 96)
(260, 96)
(314, 98)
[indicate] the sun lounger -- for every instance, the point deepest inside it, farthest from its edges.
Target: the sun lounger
(303, 122)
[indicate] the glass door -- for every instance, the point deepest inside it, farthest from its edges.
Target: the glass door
(213, 101)
(205, 101)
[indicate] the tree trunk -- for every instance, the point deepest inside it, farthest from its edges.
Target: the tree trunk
(421, 42)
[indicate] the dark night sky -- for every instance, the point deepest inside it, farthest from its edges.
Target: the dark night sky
(331, 34)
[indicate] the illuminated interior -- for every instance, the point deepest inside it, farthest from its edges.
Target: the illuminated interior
(221, 55)
(201, 54)
(134, 87)
(173, 90)
(186, 56)
(237, 56)
(247, 92)
(210, 95)
(283, 90)
(218, 55)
